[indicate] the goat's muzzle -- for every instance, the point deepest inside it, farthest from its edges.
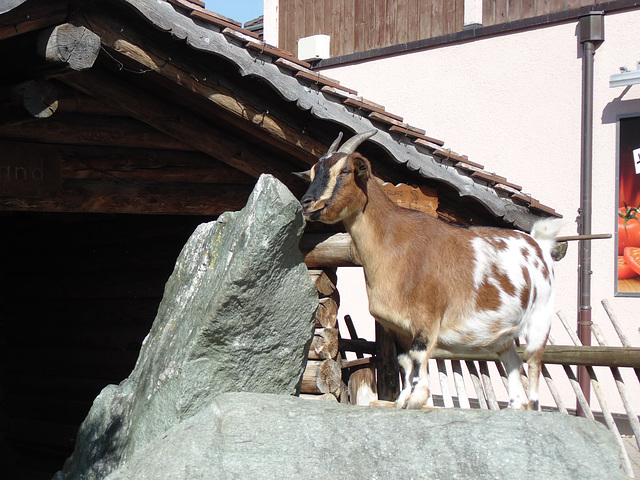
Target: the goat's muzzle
(312, 208)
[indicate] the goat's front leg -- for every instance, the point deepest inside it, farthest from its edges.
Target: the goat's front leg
(406, 365)
(416, 393)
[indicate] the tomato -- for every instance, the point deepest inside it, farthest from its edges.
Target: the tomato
(624, 270)
(628, 228)
(632, 258)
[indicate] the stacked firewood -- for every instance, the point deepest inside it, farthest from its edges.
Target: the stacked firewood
(322, 378)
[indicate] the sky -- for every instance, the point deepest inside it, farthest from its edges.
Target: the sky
(240, 10)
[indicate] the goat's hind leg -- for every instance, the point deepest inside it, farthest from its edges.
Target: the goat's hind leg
(513, 366)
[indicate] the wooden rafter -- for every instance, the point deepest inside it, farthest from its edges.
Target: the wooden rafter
(199, 81)
(173, 122)
(27, 16)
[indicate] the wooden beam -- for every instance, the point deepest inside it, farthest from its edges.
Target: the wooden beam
(20, 16)
(594, 356)
(328, 250)
(134, 198)
(26, 101)
(175, 122)
(92, 130)
(146, 165)
(55, 51)
(75, 46)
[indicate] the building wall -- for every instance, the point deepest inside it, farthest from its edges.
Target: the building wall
(512, 102)
(360, 25)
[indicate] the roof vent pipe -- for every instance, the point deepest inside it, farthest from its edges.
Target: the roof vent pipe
(591, 36)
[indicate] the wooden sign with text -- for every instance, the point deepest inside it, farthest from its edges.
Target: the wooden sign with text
(28, 170)
(415, 198)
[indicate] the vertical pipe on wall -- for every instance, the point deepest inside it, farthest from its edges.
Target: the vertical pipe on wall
(591, 33)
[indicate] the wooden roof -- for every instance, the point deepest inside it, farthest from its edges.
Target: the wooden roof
(145, 106)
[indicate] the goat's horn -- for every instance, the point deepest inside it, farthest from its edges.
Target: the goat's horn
(354, 142)
(336, 143)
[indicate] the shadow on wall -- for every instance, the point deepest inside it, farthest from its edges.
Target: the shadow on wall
(619, 106)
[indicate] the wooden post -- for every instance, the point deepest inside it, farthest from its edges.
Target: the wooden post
(56, 51)
(28, 100)
(388, 369)
(323, 373)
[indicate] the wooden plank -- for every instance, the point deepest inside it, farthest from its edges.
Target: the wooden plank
(413, 20)
(477, 384)
(501, 12)
(112, 197)
(369, 26)
(437, 18)
(488, 388)
(458, 381)
(622, 389)
(515, 10)
(606, 412)
(319, 15)
(337, 28)
(379, 15)
(348, 26)
(359, 25)
(594, 356)
(92, 130)
(390, 26)
(139, 164)
(444, 384)
(424, 15)
(489, 12)
(450, 10)
(529, 8)
(402, 21)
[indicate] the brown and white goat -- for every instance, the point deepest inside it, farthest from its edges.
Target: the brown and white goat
(434, 284)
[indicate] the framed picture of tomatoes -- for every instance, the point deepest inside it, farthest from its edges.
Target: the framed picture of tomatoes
(628, 235)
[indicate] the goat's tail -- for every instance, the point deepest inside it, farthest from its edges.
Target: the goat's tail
(546, 229)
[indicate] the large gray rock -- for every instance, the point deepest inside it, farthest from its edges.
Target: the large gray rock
(237, 315)
(264, 436)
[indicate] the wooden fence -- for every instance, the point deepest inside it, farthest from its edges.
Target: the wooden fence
(454, 374)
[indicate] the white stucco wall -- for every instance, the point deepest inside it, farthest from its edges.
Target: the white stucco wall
(512, 102)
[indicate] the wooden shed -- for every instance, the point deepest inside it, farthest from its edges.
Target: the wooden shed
(124, 124)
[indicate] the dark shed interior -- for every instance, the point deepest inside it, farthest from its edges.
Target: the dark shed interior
(123, 125)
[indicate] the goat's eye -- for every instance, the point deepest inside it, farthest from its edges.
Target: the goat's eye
(345, 172)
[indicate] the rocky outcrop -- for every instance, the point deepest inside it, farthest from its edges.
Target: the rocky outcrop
(265, 436)
(237, 315)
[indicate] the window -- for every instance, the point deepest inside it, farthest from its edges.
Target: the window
(628, 236)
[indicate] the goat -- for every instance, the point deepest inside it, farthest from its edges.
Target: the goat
(432, 284)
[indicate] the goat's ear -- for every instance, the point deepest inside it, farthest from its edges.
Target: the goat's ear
(361, 165)
(306, 175)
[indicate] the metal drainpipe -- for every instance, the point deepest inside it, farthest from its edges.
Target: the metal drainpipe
(591, 37)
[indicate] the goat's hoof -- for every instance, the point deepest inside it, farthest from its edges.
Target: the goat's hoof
(414, 405)
(400, 404)
(533, 405)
